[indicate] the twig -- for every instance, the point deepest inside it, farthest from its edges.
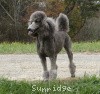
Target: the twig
(7, 13)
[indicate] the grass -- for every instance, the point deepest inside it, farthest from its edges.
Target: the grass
(86, 85)
(21, 48)
(86, 47)
(17, 48)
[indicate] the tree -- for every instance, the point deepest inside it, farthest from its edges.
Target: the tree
(11, 12)
(85, 8)
(14, 15)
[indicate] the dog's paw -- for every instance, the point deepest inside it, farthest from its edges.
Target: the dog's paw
(52, 74)
(72, 75)
(72, 68)
(46, 76)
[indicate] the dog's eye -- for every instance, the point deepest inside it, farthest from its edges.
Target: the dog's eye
(37, 21)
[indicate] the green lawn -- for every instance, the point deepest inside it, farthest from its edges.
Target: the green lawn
(21, 48)
(86, 47)
(17, 48)
(86, 85)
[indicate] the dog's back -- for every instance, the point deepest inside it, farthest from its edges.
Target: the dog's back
(57, 34)
(61, 34)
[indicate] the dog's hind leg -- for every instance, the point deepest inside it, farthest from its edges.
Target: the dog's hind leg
(53, 71)
(44, 64)
(67, 46)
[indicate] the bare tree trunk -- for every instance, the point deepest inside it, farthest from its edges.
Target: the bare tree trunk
(16, 5)
(69, 9)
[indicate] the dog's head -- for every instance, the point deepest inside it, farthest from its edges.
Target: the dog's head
(35, 22)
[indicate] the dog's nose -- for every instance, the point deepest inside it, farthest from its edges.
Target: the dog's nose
(29, 29)
(29, 32)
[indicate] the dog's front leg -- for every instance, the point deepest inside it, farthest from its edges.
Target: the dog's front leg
(53, 71)
(45, 70)
(41, 46)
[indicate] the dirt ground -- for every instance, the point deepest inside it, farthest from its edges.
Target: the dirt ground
(28, 66)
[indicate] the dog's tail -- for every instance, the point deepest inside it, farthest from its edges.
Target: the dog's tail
(62, 23)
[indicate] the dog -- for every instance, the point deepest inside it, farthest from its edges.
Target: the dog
(52, 36)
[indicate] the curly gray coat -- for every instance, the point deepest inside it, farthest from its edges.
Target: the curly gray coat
(51, 37)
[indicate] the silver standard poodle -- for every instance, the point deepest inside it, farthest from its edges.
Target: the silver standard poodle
(52, 36)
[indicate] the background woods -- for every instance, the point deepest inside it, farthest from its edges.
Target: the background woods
(84, 18)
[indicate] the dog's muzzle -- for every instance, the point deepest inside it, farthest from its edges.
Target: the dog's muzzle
(30, 32)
